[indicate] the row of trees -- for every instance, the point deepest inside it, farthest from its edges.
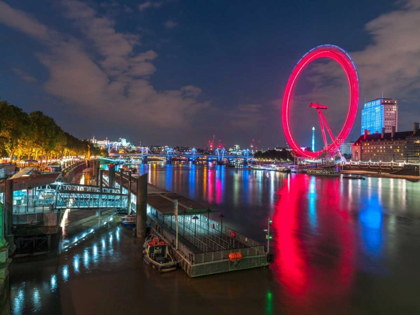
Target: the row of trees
(36, 136)
(283, 155)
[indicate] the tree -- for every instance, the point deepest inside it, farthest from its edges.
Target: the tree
(14, 123)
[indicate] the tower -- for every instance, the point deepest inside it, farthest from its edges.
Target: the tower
(313, 139)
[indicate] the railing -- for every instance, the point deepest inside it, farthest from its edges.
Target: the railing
(69, 169)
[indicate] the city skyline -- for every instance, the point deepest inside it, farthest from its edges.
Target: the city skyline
(154, 73)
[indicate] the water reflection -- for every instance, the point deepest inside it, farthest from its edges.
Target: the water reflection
(371, 223)
(331, 237)
(324, 251)
(65, 273)
(53, 283)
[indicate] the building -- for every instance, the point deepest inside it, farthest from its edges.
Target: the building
(378, 114)
(388, 147)
(100, 143)
(346, 148)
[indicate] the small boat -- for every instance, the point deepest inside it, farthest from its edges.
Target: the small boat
(350, 176)
(129, 220)
(262, 168)
(125, 168)
(156, 254)
(320, 172)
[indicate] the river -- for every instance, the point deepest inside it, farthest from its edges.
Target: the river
(341, 247)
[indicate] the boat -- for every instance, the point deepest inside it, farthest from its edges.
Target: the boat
(353, 176)
(156, 254)
(129, 220)
(321, 172)
(262, 168)
(126, 168)
(283, 169)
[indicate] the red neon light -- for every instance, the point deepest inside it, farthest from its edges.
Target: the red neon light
(343, 59)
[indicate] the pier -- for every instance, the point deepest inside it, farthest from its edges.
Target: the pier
(203, 246)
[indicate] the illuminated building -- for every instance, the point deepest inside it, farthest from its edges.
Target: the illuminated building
(388, 147)
(378, 114)
(346, 147)
(100, 143)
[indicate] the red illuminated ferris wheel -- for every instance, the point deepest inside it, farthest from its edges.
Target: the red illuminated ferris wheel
(344, 60)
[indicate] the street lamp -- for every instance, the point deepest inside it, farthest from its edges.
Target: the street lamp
(195, 218)
(221, 216)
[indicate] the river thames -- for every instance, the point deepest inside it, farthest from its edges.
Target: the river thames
(341, 247)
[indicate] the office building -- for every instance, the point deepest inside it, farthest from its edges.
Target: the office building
(378, 114)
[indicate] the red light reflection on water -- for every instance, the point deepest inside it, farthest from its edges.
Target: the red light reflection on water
(313, 264)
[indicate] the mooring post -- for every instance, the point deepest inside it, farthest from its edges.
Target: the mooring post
(176, 223)
(141, 205)
(112, 176)
(101, 179)
(121, 180)
(98, 172)
(129, 193)
(94, 169)
(9, 207)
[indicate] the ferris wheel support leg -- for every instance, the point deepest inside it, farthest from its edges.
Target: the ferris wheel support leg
(332, 137)
(324, 137)
(327, 126)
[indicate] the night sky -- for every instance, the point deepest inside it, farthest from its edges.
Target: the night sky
(178, 72)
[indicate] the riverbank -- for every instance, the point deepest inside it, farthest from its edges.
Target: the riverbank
(380, 175)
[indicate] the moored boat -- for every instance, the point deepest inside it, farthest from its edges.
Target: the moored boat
(129, 220)
(321, 172)
(156, 254)
(353, 176)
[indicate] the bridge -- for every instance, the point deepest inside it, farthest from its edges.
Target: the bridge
(220, 155)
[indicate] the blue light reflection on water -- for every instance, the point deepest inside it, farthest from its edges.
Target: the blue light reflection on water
(191, 180)
(36, 300)
(312, 202)
(169, 173)
(65, 273)
(53, 282)
(76, 264)
(370, 219)
(245, 186)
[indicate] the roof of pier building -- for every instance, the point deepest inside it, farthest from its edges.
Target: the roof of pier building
(28, 181)
(164, 203)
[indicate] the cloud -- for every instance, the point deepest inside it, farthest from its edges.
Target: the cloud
(170, 24)
(149, 5)
(246, 116)
(113, 83)
(22, 22)
(24, 76)
(390, 64)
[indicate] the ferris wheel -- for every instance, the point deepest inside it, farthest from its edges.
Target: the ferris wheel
(330, 147)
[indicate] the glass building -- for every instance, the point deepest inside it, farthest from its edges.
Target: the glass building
(378, 114)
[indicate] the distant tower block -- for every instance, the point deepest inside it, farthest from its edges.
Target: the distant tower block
(313, 139)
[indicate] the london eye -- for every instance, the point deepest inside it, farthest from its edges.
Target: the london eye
(331, 145)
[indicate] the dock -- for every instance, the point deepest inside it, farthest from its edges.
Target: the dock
(205, 247)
